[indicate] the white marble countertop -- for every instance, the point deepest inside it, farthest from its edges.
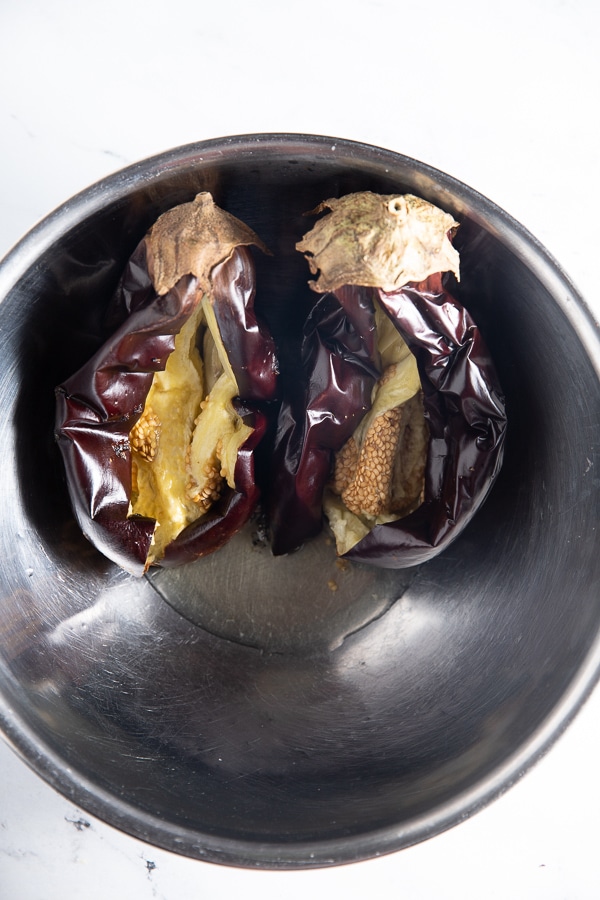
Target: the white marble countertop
(506, 101)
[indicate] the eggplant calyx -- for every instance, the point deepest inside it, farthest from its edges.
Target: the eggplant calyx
(378, 240)
(191, 239)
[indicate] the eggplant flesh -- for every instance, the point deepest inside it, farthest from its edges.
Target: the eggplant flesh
(185, 443)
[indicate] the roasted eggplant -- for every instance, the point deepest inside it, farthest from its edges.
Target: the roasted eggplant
(158, 430)
(397, 430)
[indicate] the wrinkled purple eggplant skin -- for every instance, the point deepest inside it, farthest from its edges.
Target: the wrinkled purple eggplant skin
(95, 411)
(318, 415)
(249, 345)
(97, 407)
(466, 414)
(464, 406)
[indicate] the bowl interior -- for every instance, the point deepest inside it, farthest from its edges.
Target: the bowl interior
(241, 710)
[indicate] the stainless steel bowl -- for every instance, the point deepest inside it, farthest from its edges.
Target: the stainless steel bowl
(238, 710)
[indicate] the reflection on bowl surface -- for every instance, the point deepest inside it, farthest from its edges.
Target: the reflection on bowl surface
(239, 710)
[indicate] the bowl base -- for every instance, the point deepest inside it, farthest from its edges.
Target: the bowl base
(304, 602)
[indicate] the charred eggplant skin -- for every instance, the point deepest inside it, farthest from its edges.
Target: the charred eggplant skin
(95, 411)
(97, 407)
(250, 346)
(320, 411)
(465, 410)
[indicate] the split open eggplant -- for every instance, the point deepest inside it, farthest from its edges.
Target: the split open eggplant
(159, 429)
(397, 430)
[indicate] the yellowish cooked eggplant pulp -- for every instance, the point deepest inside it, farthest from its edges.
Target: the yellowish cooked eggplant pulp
(186, 442)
